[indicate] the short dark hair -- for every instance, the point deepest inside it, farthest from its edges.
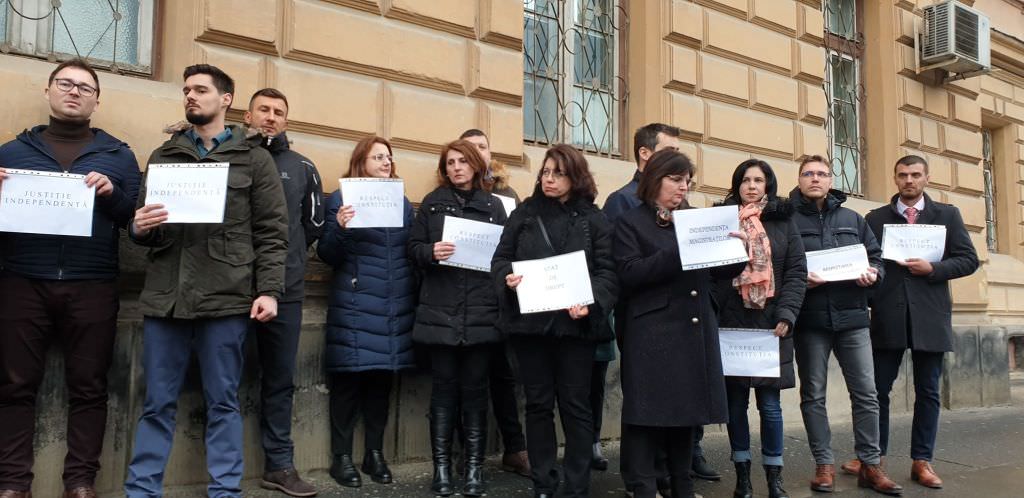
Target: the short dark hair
(813, 159)
(663, 163)
(473, 132)
(647, 136)
(574, 165)
(473, 157)
(771, 184)
(221, 80)
(272, 93)
(908, 160)
(79, 64)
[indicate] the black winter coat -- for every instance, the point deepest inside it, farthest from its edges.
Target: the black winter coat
(835, 306)
(920, 308)
(671, 364)
(456, 306)
(790, 269)
(577, 225)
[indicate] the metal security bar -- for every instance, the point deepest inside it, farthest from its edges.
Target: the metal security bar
(844, 43)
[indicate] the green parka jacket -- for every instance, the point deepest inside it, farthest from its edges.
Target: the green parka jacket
(207, 270)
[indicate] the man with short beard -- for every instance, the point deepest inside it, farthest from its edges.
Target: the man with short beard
(278, 339)
(63, 289)
(204, 283)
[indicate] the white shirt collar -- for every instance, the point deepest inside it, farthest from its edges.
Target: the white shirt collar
(902, 208)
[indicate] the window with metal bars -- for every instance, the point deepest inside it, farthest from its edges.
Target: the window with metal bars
(573, 91)
(844, 44)
(990, 191)
(112, 34)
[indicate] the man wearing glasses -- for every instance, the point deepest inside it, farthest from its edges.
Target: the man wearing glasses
(834, 319)
(63, 289)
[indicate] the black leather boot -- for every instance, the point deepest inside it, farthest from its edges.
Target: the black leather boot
(376, 467)
(743, 486)
(344, 472)
(442, 423)
(475, 427)
(773, 473)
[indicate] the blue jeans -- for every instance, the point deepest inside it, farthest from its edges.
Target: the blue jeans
(167, 346)
(770, 409)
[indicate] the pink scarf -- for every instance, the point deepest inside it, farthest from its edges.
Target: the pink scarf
(757, 282)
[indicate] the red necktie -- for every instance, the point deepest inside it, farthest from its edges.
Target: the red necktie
(911, 214)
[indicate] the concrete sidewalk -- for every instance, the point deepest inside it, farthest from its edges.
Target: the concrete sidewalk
(981, 454)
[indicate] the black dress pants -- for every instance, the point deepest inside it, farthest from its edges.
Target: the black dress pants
(641, 446)
(557, 369)
(503, 400)
(352, 393)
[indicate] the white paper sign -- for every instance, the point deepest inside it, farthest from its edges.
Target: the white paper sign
(703, 237)
(749, 353)
(474, 241)
(554, 283)
(902, 242)
(190, 192)
(46, 203)
(508, 202)
(379, 202)
(840, 263)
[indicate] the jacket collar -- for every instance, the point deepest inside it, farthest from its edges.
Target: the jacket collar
(778, 208)
(101, 142)
(833, 200)
(276, 144)
(927, 214)
(241, 139)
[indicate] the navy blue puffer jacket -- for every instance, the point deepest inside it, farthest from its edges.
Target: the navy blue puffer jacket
(56, 257)
(372, 300)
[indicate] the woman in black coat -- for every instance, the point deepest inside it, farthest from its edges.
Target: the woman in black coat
(767, 295)
(556, 349)
(671, 366)
(456, 315)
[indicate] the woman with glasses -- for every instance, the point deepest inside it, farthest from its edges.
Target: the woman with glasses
(767, 295)
(369, 319)
(555, 350)
(456, 316)
(671, 367)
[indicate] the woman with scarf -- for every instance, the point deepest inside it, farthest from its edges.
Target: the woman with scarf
(767, 295)
(555, 349)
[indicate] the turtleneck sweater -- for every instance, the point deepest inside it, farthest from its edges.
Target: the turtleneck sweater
(67, 139)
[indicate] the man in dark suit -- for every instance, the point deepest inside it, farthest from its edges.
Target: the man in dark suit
(912, 309)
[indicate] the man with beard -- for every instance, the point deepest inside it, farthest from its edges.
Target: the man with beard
(278, 339)
(63, 289)
(204, 283)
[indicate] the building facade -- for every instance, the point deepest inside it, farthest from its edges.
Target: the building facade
(772, 79)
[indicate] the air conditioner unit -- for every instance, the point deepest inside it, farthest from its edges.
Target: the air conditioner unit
(955, 38)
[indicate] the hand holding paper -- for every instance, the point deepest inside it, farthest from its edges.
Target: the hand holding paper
(868, 278)
(917, 266)
(443, 250)
(512, 280)
(100, 181)
(345, 215)
(147, 218)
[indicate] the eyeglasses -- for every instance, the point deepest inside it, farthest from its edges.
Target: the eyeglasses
(553, 173)
(819, 174)
(682, 180)
(65, 85)
(381, 157)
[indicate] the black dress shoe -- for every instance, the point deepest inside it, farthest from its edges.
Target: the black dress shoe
(597, 460)
(664, 485)
(701, 469)
(376, 467)
(344, 472)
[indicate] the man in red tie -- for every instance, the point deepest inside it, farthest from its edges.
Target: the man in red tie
(912, 309)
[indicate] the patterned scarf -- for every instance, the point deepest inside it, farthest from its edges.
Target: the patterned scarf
(757, 282)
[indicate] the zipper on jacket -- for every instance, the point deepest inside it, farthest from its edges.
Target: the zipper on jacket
(60, 262)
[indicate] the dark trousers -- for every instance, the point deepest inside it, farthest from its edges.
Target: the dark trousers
(642, 446)
(278, 343)
(82, 317)
(459, 377)
(503, 400)
(354, 393)
(557, 368)
(927, 371)
(597, 379)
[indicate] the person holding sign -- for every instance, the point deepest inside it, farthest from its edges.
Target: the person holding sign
(457, 313)
(912, 309)
(834, 319)
(555, 349)
(60, 288)
(204, 283)
(672, 377)
(767, 295)
(369, 319)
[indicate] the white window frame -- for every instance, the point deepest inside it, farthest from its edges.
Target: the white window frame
(566, 78)
(35, 37)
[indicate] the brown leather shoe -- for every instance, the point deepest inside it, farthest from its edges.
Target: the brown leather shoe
(80, 492)
(874, 477)
(518, 463)
(851, 467)
(10, 493)
(288, 482)
(824, 478)
(924, 474)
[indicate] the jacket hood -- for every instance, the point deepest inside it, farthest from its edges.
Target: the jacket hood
(778, 208)
(833, 200)
(183, 126)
